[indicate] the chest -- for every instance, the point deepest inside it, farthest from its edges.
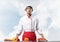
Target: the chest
(28, 21)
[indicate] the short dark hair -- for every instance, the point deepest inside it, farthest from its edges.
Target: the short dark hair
(28, 7)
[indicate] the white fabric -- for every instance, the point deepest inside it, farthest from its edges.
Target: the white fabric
(29, 25)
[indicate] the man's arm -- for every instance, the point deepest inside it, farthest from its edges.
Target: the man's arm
(18, 34)
(19, 28)
(40, 33)
(39, 30)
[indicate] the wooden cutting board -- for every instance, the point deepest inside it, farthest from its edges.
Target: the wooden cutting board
(12, 40)
(42, 40)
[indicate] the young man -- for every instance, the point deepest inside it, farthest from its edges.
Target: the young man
(29, 25)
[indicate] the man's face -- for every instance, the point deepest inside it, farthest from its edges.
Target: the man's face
(29, 11)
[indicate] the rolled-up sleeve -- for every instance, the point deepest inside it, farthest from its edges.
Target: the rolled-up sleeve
(38, 28)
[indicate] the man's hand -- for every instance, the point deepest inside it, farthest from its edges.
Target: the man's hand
(42, 35)
(17, 35)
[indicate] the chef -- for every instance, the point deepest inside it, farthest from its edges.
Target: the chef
(29, 25)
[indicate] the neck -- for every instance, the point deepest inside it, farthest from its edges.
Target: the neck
(29, 16)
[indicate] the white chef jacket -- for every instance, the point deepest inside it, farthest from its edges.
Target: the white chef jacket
(29, 25)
